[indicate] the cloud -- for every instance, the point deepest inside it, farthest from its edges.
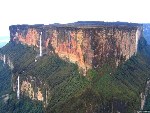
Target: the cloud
(66, 11)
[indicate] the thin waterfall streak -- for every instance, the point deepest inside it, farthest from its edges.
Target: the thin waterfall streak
(41, 44)
(18, 91)
(4, 59)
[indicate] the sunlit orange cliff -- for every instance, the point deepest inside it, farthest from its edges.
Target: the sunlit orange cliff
(88, 44)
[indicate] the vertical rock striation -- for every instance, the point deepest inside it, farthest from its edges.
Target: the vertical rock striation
(6, 59)
(88, 45)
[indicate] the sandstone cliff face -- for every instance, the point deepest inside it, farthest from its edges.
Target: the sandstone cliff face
(32, 87)
(88, 46)
(27, 88)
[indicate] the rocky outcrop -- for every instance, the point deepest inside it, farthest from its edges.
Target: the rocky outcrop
(145, 94)
(90, 46)
(27, 88)
(33, 88)
(6, 59)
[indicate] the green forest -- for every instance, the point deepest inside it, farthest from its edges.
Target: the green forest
(102, 90)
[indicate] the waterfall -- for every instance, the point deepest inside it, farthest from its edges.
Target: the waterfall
(18, 90)
(69, 40)
(46, 97)
(138, 33)
(145, 94)
(41, 44)
(8, 61)
(4, 59)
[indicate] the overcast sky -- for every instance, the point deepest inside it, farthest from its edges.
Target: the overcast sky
(66, 11)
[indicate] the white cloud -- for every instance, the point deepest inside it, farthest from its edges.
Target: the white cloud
(65, 11)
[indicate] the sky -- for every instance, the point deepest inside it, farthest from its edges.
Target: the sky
(65, 11)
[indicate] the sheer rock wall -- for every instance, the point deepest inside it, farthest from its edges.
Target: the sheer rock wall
(88, 46)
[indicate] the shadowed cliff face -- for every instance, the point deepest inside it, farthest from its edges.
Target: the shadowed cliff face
(146, 32)
(6, 60)
(89, 47)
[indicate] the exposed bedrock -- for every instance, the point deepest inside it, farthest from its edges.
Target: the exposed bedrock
(88, 46)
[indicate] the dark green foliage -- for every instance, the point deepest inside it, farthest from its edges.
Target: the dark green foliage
(5, 79)
(123, 86)
(147, 104)
(23, 105)
(22, 56)
(92, 74)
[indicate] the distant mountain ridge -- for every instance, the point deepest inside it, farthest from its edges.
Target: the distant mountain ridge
(146, 32)
(2, 44)
(4, 40)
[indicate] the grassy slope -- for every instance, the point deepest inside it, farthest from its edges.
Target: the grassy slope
(75, 93)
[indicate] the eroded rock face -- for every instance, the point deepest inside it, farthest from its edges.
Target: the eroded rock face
(39, 95)
(88, 46)
(31, 38)
(6, 59)
(32, 88)
(27, 89)
(114, 44)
